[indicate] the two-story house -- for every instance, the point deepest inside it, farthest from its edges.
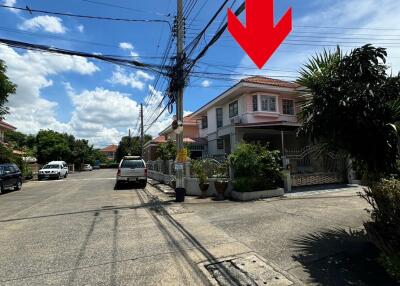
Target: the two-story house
(196, 145)
(256, 109)
(4, 126)
(110, 152)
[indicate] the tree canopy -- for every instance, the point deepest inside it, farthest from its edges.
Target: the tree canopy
(167, 150)
(352, 104)
(6, 89)
(131, 146)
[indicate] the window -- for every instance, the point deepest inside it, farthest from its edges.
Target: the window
(255, 103)
(233, 109)
(220, 144)
(219, 117)
(268, 103)
(133, 164)
(288, 106)
(204, 122)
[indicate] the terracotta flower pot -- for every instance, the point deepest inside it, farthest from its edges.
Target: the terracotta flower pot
(204, 187)
(220, 187)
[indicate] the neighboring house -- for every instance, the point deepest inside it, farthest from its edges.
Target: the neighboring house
(110, 152)
(257, 109)
(191, 138)
(4, 126)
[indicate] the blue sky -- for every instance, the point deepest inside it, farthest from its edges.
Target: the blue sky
(100, 101)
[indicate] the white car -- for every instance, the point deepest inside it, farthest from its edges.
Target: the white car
(54, 171)
(63, 163)
(132, 169)
(87, 167)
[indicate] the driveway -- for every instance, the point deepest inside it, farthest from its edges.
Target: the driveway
(80, 231)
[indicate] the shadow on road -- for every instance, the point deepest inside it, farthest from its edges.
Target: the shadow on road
(74, 273)
(340, 257)
(156, 211)
(103, 209)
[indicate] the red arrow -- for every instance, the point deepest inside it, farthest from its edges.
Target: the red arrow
(260, 38)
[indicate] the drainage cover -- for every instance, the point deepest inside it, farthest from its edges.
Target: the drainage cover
(247, 270)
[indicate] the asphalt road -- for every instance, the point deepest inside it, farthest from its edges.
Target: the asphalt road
(80, 231)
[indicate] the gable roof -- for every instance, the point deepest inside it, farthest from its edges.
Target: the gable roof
(111, 148)
(6, 126)
(249, 82)
(270, 81)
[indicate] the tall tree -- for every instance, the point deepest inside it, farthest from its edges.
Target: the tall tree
(52, 146)
(6, 89)
(130, 146)
(352, 104)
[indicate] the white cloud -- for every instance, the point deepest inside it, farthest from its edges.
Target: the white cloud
(46, 23)
(135, 80)
(29, 111)
(205, 83)
(81, 28)
(99, 115)
(126, 46)
(134, 54)
(12, 4)
(103, 116)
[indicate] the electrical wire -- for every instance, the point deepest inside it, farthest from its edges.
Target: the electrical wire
(27, 9)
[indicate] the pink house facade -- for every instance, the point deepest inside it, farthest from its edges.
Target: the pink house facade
(257, 109)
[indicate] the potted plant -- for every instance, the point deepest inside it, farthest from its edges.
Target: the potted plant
(173, 183)
(221, 182)
(199, 171)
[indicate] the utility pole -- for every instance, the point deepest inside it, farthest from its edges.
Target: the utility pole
(180, 180)
(141, 129)
(129, 142)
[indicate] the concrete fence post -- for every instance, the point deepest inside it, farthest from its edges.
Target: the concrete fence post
(187, 170)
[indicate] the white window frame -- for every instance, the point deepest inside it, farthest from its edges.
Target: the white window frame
(260, 98)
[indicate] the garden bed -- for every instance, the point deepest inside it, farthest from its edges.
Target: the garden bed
(251, 196)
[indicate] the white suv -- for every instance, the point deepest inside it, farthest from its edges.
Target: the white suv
(132, 169)
(53, 170)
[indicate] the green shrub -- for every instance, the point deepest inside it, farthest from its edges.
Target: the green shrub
(384, 229)
(255, 167)
(203, 169)
(391, 264)
(6, 155)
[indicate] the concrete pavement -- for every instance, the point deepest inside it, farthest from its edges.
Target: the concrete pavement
(80, 231)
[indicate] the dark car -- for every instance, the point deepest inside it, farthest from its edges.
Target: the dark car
(10, 177)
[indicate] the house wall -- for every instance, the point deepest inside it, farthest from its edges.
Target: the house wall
(245, 115)
(189, 131)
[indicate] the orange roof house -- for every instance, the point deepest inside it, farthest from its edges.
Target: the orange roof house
(110, 151)
(196, 145)
(4, 126)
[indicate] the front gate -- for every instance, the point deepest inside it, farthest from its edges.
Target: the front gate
(310, 166)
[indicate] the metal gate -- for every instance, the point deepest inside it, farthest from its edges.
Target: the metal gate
(311, 166)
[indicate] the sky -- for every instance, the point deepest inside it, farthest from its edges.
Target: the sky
(100, 101)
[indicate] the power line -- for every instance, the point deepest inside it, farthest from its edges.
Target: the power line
(72, 40)
(54, 50)
(123, 7)
(27, 9)
(345, 28)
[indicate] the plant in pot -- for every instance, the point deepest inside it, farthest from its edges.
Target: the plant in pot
(201, 174)
(221, 182)
(173, 182)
